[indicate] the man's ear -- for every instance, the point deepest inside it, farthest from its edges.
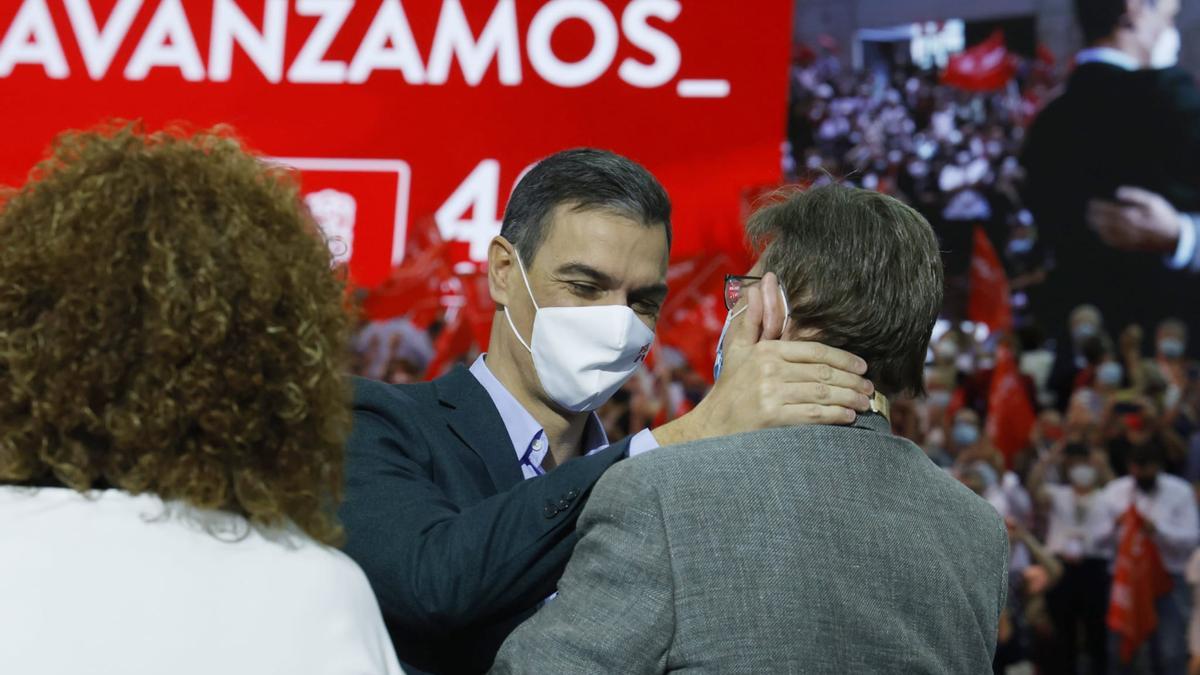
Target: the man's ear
(502, 259)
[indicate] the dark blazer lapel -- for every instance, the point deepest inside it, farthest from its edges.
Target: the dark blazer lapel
(474, 419)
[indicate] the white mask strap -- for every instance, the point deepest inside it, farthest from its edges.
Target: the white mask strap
(528, 290)
(786, 311)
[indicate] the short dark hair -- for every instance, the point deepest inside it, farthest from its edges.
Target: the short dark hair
(1098, 19)
(862, 270)
(586, 178)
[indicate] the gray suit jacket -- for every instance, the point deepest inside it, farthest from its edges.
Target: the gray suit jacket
(813, 549)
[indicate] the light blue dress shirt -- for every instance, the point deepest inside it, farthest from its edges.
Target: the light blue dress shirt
(529, 438)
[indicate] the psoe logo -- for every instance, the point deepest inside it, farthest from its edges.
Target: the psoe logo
(334, 213)
(361, 206)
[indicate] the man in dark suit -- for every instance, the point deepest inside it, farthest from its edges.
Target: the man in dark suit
(1119, 122)
(462, 493)
(817, 549)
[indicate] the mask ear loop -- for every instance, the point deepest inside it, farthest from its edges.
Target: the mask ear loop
(508, 316)
(787, 311)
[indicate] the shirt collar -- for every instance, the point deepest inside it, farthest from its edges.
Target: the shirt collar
(1108, 55)
(522, 428)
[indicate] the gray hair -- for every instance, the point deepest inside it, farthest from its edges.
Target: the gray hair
(862, 270)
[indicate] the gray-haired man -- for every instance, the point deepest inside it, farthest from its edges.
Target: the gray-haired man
(820, 549)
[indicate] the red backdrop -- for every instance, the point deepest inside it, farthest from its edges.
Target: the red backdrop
(419, 97)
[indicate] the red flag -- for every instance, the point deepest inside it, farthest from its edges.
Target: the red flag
(454, 341)
(1044, 56)
(694, 313)
(1139, 579)
(415, 287)
(694, 330)
(990, 302)
(987, 66)
(1010, 412)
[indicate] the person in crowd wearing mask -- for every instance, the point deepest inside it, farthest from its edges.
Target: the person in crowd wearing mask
(172, 345)
(1085, 326)
(791, 550)
(1131, 420)
(1044, 438)
(1037, 361)
(1170, 359)
(974, 450)
(1047, 433)
(1168, 507)
(944, 371)
(1123, 119)
(462, 494)
(1079, 603)
(1109, 377)
(1033, 571)
(966, 439)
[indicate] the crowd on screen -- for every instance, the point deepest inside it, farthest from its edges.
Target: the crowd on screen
(951, 154)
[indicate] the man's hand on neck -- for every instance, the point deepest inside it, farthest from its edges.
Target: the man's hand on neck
(770, 382)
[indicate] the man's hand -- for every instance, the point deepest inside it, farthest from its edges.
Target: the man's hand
(1141, 221)
(766, 382)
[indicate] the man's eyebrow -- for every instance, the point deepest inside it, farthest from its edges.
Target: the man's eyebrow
(658, 290)
(584, 270)
(605, 280)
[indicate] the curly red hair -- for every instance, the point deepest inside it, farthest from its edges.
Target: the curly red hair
(169, 323)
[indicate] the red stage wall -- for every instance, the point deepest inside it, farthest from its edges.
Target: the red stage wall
(396, 112)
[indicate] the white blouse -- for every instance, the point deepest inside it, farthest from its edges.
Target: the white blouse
(112, 583)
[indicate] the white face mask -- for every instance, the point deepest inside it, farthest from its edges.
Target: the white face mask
(583, 355)
(1082, 475)
(1165, 53)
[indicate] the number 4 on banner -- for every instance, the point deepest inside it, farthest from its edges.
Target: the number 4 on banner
(479, 194)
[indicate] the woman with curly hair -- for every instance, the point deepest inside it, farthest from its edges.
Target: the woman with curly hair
(172, 414)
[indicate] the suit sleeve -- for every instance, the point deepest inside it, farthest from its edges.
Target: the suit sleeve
(1180, 98)
(436, 567)
(1038, 190)
(615, 607)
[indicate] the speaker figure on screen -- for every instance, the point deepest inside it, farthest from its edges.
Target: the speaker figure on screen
(1126, 127)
